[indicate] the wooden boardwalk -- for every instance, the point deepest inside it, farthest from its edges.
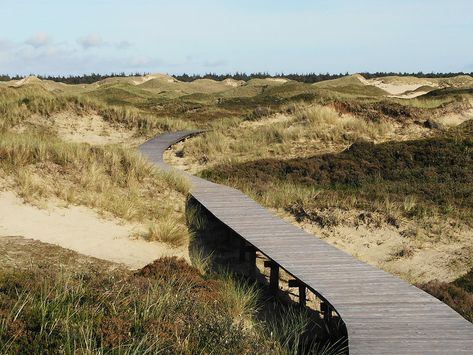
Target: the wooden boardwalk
(383, 314)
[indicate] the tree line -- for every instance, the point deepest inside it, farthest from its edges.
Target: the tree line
(75, 79)
(310, 77)
(305, 78)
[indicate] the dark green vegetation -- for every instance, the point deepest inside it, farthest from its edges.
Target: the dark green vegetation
(436, 173)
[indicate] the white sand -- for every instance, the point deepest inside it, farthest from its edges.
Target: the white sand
(89, 128)
(82, 230)
(401, 87)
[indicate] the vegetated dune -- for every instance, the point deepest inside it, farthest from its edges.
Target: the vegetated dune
(275, 114)
(58, 150)
(393, 86)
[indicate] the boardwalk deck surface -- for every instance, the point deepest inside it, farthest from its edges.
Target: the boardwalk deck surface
(383, 314)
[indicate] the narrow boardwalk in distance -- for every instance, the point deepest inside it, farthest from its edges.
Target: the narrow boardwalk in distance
(383, 314)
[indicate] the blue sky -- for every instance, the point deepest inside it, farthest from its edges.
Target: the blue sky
(74, 37)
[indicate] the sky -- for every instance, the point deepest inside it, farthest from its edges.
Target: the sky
(69, 37)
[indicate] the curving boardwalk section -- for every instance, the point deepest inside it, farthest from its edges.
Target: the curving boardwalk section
(383, 314)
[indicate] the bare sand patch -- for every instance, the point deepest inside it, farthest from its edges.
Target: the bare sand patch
(455, 119)
(81, 229)
(399, 87)
(90, 128)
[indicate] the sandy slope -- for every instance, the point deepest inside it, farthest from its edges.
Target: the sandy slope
(400, 87)
(80, 229)
(88, 128)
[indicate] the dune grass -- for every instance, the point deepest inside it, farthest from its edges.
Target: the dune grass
(298, 131)
(19, 104)
(166, 307)
(111, 179)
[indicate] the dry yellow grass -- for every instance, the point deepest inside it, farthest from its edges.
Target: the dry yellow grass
(111, 179)
(302, 131)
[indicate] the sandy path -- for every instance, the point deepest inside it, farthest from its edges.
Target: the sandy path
(82, 230)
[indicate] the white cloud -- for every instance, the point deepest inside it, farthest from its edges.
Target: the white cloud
(39, 40)
(92, 40)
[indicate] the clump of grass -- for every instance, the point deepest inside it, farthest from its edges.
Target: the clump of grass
(195, 217)
(404, 251)
(329, 125)
(239, 299)
(168, 231)
(201, 259)
(294, 328)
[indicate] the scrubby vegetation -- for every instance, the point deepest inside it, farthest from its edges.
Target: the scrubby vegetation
(418, 178)
(457, 294)
(166, 307)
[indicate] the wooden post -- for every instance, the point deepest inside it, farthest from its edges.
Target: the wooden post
(273, 275)
(251, 261)
(242, 250)
(302, 291)
(302, 296)
(326, 310)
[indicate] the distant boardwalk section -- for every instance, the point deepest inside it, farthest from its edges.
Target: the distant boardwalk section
(383, 314)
